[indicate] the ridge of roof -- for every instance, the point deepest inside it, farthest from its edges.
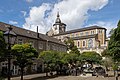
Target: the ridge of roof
(81, 29)
(28, 33)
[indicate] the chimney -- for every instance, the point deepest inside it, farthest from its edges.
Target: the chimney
(37, 33)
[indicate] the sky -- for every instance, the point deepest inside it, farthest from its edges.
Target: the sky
(75, 14)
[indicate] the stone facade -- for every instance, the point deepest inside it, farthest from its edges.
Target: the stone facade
(91, 38)
(39, 41)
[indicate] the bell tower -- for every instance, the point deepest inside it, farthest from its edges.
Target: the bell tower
(58, 27)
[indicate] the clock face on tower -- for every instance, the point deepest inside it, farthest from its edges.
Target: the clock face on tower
(90, 43)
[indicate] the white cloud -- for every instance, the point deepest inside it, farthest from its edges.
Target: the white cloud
(72, 12)
(24, 13)
(13, 22)
(108, 25)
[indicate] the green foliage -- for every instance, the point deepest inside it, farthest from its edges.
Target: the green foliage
(90, 57)
(111, 31)
(105, 53)
(69, 43)
(71, 47)
(53, 58)
(69, 58)
(23, 54)
(1, 78)
(114, 44)
(2, 46)
(74, 50)
(107, 62)
(115, 66)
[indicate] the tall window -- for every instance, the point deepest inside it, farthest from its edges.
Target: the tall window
(32, 43)
(92, 32)
(87, 33)
(90, 43)
(78, 44)
(20, 41)
(72, 35)
(100, 31)
(40, 45)
(76, 34)
(83, 43)
(81, 33)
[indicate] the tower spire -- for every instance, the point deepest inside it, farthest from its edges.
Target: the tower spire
(58, 14)
(58, 18)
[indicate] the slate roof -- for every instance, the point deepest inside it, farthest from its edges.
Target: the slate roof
(27, 33)
(81, 29)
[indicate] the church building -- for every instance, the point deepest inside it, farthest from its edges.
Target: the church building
(92, 38)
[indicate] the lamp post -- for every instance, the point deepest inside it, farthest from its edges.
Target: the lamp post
(9, 37)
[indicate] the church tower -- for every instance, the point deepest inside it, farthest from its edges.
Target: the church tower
(58, 27)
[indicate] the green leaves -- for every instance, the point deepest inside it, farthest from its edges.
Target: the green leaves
(69, 58)
(23, 54)
(70, 45)
(2, 47)
(114, 44)
(90, 57)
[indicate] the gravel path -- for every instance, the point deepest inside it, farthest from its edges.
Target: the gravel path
(42, 76)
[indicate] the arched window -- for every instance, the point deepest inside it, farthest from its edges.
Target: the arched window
(78, 43)
(83, 43)
(90, 43)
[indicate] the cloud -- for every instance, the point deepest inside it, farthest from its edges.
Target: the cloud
(37, 18)
(13, 22)
(24, 13)
(107, 24)
(72, 12)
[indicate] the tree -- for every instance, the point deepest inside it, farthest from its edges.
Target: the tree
(23, 54)
(107, 62)
(50, 59)
(70, 58)
(114, 44)
(111, 31)
(71, 47)
(69, 43)
(2, 46)
(91, 57)
(114, 47)
(2, 50)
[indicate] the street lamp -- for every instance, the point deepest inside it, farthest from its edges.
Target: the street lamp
(9, 37)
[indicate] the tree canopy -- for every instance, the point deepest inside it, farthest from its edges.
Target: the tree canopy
(90, 57)
(23, 54)
(114, 44)
(71, 47)
(2, 46)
